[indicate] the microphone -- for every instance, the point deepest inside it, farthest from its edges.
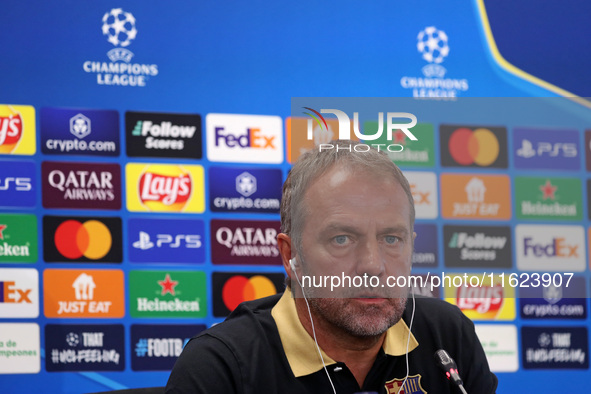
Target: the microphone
(448, 365)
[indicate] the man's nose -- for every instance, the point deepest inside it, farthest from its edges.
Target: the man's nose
(369, 259)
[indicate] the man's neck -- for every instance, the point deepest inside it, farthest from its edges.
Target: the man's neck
(358, 353)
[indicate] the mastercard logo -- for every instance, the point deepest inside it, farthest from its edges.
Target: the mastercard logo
(480, 147)
(239, 288)
(91, 239)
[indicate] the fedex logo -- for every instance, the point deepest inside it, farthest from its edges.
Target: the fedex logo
(558, 247)
(251, 139)
(19, 293)
(10, 293)
(550, 248)
(244, 138)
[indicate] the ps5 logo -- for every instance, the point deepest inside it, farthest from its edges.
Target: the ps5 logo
(21, 184)
(187, 240)
(547, 149)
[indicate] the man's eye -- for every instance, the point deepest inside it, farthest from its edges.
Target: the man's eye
(390, 239)
(341, 239)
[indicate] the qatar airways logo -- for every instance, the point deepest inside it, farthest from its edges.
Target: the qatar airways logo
(344, 132)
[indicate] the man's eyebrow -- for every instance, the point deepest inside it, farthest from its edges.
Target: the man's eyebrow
(337, 227)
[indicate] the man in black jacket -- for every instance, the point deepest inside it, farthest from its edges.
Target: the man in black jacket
(347, 216)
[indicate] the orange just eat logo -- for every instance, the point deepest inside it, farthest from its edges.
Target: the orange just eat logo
(17, 130)
(83, 293)
(475, 196)
(165, 188)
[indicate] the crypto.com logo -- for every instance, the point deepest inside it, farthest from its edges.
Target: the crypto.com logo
(345, 129)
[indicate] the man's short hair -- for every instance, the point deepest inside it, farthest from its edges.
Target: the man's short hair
(314, 163)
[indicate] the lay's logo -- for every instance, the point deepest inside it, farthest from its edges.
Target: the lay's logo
(165, 188)
(17, 129)
(479, 297)
(484, 301)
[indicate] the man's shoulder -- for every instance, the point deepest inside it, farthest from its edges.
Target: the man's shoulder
(249, 318)
(436, 311)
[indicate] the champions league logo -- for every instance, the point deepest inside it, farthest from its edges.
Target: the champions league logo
(433, 46)
(119, 27)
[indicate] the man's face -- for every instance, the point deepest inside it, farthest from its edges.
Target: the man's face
(357, 224)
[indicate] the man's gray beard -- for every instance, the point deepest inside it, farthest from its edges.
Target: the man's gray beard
(367, 322)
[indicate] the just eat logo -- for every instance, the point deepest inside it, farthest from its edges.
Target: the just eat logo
(244, 138)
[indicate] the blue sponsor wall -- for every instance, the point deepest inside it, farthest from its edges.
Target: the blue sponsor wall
(142, 96)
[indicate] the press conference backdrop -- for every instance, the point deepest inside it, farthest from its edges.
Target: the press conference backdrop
(143, 147)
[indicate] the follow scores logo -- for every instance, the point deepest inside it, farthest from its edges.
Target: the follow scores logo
(165, 188)
(82, 239)
(17, 129)
(473, 146)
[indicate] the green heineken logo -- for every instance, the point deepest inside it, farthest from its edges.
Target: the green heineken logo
(419, 153)
(167, 294)
(18, 239)
(548, 198)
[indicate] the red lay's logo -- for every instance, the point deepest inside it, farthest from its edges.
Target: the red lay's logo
(11, 131)
(482, 301)
(170, 190)
(165, 188)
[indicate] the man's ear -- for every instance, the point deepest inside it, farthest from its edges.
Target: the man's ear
(284, 245)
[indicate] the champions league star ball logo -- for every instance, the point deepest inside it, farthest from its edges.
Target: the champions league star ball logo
(119, 26)
(432, 45)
